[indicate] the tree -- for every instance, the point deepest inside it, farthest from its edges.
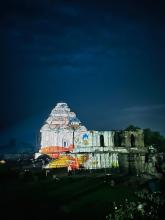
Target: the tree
(132, 128)
(155, 139)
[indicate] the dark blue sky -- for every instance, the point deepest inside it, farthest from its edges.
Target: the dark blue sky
(104, 58)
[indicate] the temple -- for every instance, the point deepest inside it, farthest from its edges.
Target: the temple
(68, 142)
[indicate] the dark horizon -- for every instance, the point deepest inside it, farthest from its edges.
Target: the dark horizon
(104, 59)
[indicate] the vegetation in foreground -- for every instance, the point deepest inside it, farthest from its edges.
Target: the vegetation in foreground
(77, 197)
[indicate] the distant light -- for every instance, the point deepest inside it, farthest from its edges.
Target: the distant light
(2, 161)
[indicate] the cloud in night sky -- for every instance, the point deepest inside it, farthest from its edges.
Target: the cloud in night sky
(105, 59)
(145, 115)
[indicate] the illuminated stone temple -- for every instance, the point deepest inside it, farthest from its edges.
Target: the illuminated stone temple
(68, 142)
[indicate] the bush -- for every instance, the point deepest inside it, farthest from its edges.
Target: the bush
(148, 206)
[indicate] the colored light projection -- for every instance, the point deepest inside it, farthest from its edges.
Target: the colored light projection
(54, 151)
(58, 138)
(66, 160)
(69, 143)
(85, 138)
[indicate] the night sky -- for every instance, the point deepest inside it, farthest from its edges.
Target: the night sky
(104, 58)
